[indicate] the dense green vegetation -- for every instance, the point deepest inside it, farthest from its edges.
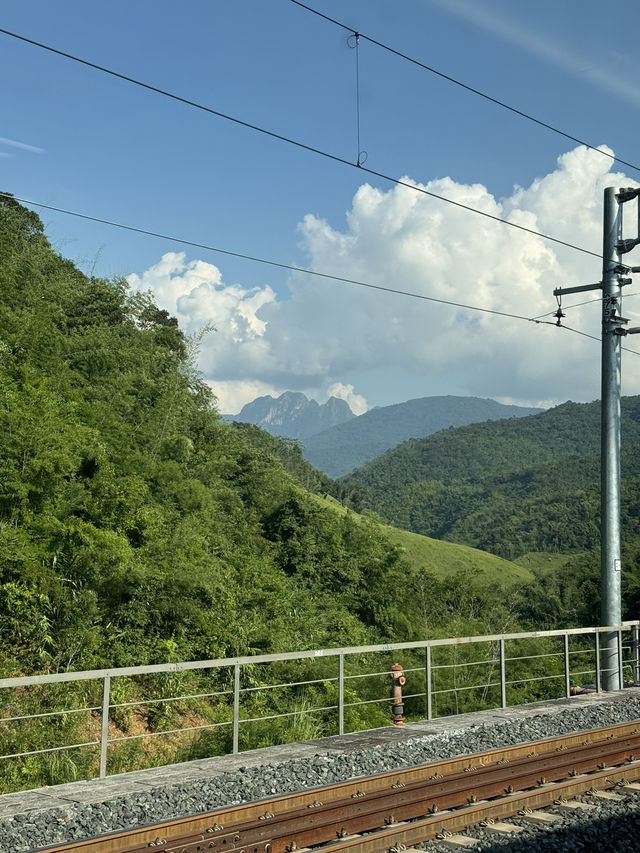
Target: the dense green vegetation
(509, 487)
(134, 523)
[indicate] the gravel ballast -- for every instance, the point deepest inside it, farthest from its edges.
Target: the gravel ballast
(193, 792)
(610, 827)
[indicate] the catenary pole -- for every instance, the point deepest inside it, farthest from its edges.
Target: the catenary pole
(613, 330)
(610, 570)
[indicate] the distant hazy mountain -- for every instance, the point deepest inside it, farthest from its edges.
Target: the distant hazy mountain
(293, 414)
(340, 449)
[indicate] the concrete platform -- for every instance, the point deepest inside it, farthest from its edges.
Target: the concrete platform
(206, 770)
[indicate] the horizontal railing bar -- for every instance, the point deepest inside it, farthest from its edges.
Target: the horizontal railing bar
(170, 699)
(465, 663)
(366, 702)
(538, 678)
(52, 749)
(558, 655)
(469, 687)
(288, 684)
(372, 674)
(48, 714)
(217, 663)
(386, 699)
(168, 732)
(288, 714)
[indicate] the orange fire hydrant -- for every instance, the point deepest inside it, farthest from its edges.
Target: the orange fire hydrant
(398, 678)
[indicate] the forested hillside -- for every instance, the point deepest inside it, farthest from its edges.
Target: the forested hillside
(348, 445)
(135, 526)
(509, 487)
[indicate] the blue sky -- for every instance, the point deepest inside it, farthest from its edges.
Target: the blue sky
(75, 138)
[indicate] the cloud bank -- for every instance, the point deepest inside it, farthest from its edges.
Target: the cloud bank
(324, 337)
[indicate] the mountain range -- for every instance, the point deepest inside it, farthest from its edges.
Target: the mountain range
(336, 441)
(348, 445)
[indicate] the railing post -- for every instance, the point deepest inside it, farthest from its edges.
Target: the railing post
(104, 733)
(620, 661)
(340, 694)
(236, 707)
(427, 672)
(567, 670)
(503, 677)
(636, 654)
(598, 679)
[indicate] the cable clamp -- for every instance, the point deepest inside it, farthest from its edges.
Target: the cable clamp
(627, 193)
(624, 246)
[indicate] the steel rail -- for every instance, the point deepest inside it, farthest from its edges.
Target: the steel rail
(317, 815)
(396, 838)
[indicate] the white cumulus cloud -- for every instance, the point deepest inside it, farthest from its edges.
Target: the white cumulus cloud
(195, 293)
(357, 402)
(325, 337)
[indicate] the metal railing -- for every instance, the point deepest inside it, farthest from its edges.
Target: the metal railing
(336, 686)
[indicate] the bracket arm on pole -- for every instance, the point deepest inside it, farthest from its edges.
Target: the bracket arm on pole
(560, 291)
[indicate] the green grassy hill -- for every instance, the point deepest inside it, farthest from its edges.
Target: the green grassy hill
(444, 560)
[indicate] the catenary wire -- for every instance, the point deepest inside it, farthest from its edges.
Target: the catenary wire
(465, 86)
(328, 155)
(334, 157)
(578, 332)
(592, 337)
(268, 262)
(293, 268)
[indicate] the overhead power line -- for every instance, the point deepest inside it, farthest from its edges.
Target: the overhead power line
(304, 270)
(465, 86)
(334, 157)
(272, 263)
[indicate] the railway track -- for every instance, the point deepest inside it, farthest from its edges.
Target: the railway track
(382, 813)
